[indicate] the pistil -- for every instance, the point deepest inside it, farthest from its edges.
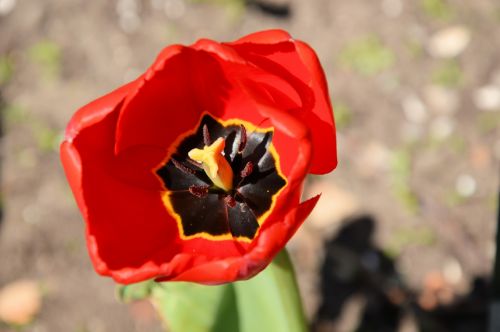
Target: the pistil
(214, 163)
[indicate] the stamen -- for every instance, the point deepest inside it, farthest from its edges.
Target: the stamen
(194, 163)
(198, 191)
(243, 138)
(247, 170)
(230, 201)
(183, 168)
(206, 135)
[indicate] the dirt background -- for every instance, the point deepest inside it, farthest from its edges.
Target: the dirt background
(418, 113)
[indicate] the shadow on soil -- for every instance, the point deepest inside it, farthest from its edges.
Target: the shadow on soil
(354, 266)
(277, 10)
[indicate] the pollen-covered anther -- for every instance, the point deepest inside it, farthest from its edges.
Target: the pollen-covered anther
(214, 163)
(243, 139)
(194, 163)
(206, 135)
(180, 166)
(198, 191)
(230, 201)
(247, 170)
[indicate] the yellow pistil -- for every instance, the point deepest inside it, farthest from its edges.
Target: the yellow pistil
(214, 164)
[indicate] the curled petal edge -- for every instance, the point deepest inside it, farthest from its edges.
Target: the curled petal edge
(245, 267)
(96, 110)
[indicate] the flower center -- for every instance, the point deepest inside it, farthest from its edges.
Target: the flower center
(222, 189)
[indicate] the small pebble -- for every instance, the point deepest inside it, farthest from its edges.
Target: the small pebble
(465, 185)
(414, 109)
(449, 42)
(487, 98)
(6, 6)
(20, 301)
(452, 271)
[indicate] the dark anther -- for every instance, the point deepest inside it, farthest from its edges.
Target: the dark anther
(206, 135)
(243, 138)
(194, 163)
(198, 191)
(247, 170)
(180, 166)
(230, 201)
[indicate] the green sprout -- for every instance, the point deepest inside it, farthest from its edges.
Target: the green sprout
(488, 121)
(234, 8)
(14, 114)
(343, 115)
(367, 55)
(48, 56)
(438, 9)
(47, 138)
(410, 236)
(414, 47)
(454, 142)
(454, 199)
(449, 74)
(401, 172)
(6, 68)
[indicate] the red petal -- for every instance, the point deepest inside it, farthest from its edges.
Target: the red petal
(325, 142)
(268, 245)
(126, 226)
(97, 110)
(296, 63)
(174, 94)
(265, 37)
(131, 236)
(72, 165)
(275, 236)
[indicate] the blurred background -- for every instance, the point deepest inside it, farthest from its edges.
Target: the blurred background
(403, 238)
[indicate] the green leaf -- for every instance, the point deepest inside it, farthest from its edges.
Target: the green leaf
(135, 292)
(270, 301)
(196, 308)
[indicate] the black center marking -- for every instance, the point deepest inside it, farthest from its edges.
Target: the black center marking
(204, 208)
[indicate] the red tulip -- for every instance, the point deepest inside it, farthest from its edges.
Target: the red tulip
(194, 171)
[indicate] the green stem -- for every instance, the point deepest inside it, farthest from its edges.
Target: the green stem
(268, 302)
(271, 300)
